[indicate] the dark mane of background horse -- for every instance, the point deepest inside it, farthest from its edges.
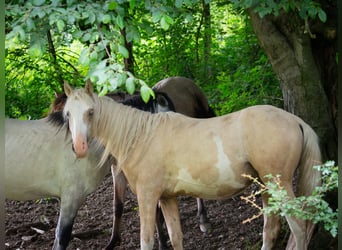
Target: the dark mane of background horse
(134, 100)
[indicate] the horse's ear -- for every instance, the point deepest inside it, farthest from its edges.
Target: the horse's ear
(67, 88)
(89, 87)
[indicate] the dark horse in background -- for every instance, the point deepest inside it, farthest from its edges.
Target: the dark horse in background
(177, 94)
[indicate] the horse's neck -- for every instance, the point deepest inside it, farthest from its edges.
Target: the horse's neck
(120, 127)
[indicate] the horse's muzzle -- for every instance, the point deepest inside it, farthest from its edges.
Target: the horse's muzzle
(80, 148)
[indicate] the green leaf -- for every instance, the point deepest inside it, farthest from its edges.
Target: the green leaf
(36, 51)
(322, 15)
(60, 25)
(178, 3)
(130, 86)
(120, 21)
(112, 5)
(84, 57)
(146, 93)
(106, 19)
(113, 84)
(121, 79)
(38, 2)
(164, 24)
(123, 51)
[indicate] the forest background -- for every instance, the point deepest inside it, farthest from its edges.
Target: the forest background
(240, 53)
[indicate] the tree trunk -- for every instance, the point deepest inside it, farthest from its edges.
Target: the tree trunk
(206, 40)
(128, 62)
(290, 52)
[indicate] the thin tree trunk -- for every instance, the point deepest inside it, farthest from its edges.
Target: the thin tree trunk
(54, 58)
(207, 39)
(128, 62)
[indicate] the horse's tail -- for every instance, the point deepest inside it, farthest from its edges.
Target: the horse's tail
(309, 178)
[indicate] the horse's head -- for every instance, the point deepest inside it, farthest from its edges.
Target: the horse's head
(78, 113)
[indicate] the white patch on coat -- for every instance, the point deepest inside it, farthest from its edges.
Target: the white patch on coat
(224, 166)
(226, 176)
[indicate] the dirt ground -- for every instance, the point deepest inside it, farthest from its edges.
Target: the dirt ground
(31, 224)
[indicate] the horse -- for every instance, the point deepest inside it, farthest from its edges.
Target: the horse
(39, 164)
(206, 158)
(179, 94)
(33, 173)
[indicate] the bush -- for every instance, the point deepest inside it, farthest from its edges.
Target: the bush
(313, 207)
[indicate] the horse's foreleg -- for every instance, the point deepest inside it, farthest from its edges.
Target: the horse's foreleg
(119, 191)
(147, 214)
(202, 213)
(68, 211)
(159, 227)
(171, 215)
(271, 227)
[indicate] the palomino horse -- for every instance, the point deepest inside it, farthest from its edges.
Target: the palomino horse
(199, 157)
(179, 94)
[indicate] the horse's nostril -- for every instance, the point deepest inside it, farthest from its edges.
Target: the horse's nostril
(73, 149)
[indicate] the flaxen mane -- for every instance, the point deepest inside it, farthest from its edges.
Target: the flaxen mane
(123, 126)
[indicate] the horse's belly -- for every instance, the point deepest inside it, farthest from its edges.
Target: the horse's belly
(214, 176)
(209, 186)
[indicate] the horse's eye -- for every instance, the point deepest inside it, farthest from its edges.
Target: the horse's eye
(90, 112)
(68, 114)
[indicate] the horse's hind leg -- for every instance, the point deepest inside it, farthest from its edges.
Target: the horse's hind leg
(272, 224)
(297, 226)
(202, 213)
(171, 215)
(271, 227)
(119, 191)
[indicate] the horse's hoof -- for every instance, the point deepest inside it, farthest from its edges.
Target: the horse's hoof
(205, 227)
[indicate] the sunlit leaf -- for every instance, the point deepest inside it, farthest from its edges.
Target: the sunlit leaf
(164, 24)
(322, 15)
(38, 2)
(112, 5)
(130, 85)
(120, 21)
(146, 93)
(123, 51)
(60, 25)
(106, 19)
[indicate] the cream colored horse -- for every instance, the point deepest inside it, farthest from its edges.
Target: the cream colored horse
(166, 155)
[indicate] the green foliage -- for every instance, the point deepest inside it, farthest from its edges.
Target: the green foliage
(168, 41)
(313, 207)
(305, 9)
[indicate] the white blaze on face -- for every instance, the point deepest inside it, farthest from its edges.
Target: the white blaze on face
(79, 131)
(224, 166)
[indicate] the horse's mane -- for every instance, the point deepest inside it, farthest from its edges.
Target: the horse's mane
(122, 127)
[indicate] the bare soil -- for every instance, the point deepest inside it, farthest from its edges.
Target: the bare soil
(31, 224)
